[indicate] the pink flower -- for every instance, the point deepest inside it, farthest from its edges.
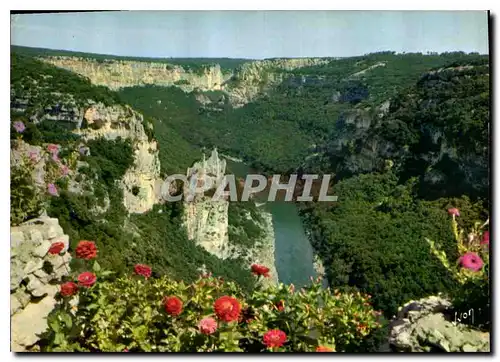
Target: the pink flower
(52, 189)
(33, 156)
(453, 211)
(207, 325)
(471, 261)
(19, 126)
(55, 158)
(52, 148)
(64, 170)
(486, 238)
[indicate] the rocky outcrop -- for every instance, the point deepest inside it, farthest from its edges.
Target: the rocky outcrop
(422, 326)
(263, 251)
(34, 276)
(207, 220)
(117, 74)
(254, 78)
(141, 183)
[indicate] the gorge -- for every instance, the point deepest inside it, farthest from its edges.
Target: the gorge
(100, 136)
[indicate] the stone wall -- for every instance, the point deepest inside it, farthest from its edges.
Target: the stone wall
(34, 278)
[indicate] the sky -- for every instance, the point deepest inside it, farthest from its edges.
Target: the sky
(253, 34)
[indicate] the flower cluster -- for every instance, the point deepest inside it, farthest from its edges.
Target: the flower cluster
(473, 249)
(140, 313)
(86, 250)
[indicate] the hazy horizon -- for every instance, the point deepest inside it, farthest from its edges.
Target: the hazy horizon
(253, 34)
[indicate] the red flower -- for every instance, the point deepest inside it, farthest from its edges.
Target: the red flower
(280, 306)
(68, 289)
(453, 211)
(260, 270)
(471, 261)
(56, 248)
(142, 269)
(486, 238)
(324, 349)
(227, 308)
(274, 338)
(87, 279)
(52, 148)
(207, 325)
(86, 250)
(173, 305)
(125, 350)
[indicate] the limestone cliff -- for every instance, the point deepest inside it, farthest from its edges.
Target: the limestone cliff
(117, 74)
(33, 275)
(122, 121)
(241, 86)
(254, 78)
(207, 222)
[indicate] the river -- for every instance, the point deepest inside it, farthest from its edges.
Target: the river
(293, 252)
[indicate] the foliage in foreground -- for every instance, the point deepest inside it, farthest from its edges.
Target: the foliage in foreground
(471, 271)
(143, 314)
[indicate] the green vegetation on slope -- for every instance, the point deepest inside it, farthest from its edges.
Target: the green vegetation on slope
(374, 239)
(43, 84)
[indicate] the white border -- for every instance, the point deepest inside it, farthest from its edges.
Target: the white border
(196, 5)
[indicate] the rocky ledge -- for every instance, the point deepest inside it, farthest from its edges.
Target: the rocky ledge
(421, 326)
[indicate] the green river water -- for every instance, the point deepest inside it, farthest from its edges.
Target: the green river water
(293, 253)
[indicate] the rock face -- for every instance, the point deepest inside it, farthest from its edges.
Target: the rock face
(254, 78)
(117, 74)
(241, 86)
(421, 326)
(32, 278)
(206, 220)
(111, 122)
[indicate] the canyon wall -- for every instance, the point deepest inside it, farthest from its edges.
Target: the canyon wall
(117, 74)
(111, 122)
(241, 85)
(207, 220)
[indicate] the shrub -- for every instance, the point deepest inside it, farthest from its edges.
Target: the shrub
(25, 199)
(142, 314)
(471, 271)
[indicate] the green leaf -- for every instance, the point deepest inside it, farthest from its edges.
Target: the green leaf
(66, 318)
(97, 267)
(54, 324)
(59, 339)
